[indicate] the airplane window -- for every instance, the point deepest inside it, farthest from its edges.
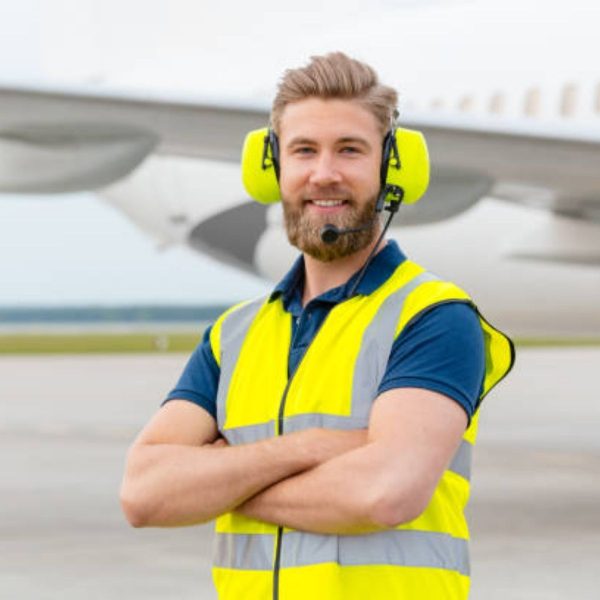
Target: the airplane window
(533, 102)
(568, 104)
(466, 104)
(437, 104)
(497, 103)
(597, 102)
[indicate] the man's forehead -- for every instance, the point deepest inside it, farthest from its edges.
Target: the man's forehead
(316, 118)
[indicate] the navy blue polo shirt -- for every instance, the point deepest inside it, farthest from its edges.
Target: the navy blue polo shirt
(441, 350)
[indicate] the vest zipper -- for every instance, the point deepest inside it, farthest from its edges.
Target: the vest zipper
(276, 565)
(277, 562)
(280, 416)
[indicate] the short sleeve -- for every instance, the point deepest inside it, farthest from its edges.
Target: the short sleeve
(443, 351)
(200, 378)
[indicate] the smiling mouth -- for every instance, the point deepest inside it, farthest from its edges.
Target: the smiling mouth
(327, 203)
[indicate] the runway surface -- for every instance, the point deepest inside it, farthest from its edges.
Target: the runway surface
(66, 422)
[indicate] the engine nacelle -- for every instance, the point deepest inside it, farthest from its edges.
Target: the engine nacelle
(54, 158)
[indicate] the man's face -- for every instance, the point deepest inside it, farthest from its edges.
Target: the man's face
(330, 156)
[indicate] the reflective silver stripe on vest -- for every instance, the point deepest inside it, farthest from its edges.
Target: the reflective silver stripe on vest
(308, 420)
(233, 333)
(249, 434)
(460, 464)
(461, 461)
(399, 547)
(242, 551)
(407, 548)
(376, 347)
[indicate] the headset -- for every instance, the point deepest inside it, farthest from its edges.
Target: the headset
(404, 172)
(403, 175)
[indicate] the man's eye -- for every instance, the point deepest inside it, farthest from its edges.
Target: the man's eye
(350, 150)
(303, 150)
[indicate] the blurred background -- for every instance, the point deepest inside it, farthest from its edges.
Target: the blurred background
(124, 230)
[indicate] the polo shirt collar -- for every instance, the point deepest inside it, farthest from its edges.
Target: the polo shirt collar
(384, 263)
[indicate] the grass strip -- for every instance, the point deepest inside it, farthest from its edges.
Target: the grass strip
(81, 343)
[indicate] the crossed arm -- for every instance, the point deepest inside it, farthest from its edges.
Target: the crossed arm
(179, 473)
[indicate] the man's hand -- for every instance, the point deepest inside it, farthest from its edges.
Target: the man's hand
(413, 434)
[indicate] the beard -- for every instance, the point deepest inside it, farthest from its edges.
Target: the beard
(304, 230)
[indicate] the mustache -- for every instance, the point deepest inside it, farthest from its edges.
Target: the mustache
(329, 194)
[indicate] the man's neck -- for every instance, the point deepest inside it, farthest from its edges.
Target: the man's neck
(320, 277)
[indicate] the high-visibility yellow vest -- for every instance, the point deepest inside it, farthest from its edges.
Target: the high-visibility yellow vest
(334, 386)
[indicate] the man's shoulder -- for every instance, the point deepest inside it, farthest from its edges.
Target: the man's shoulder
(243, 307)
(422, 290)
(233, 320)
(441, 349)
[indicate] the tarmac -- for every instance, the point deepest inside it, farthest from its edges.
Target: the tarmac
(66, 423)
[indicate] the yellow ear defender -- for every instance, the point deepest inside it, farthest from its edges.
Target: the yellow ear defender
(404, 167)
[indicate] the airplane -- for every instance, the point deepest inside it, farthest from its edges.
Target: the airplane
(508, 97)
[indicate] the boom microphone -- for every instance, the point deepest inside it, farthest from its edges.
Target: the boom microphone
(330, 234)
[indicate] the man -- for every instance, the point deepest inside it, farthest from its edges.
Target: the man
(328, 427)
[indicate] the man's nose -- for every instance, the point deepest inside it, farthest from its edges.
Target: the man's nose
(324, 170)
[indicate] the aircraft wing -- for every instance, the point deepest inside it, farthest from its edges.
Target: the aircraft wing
(550, 165)
(55, 141)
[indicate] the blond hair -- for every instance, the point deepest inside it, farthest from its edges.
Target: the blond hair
(336, 75)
